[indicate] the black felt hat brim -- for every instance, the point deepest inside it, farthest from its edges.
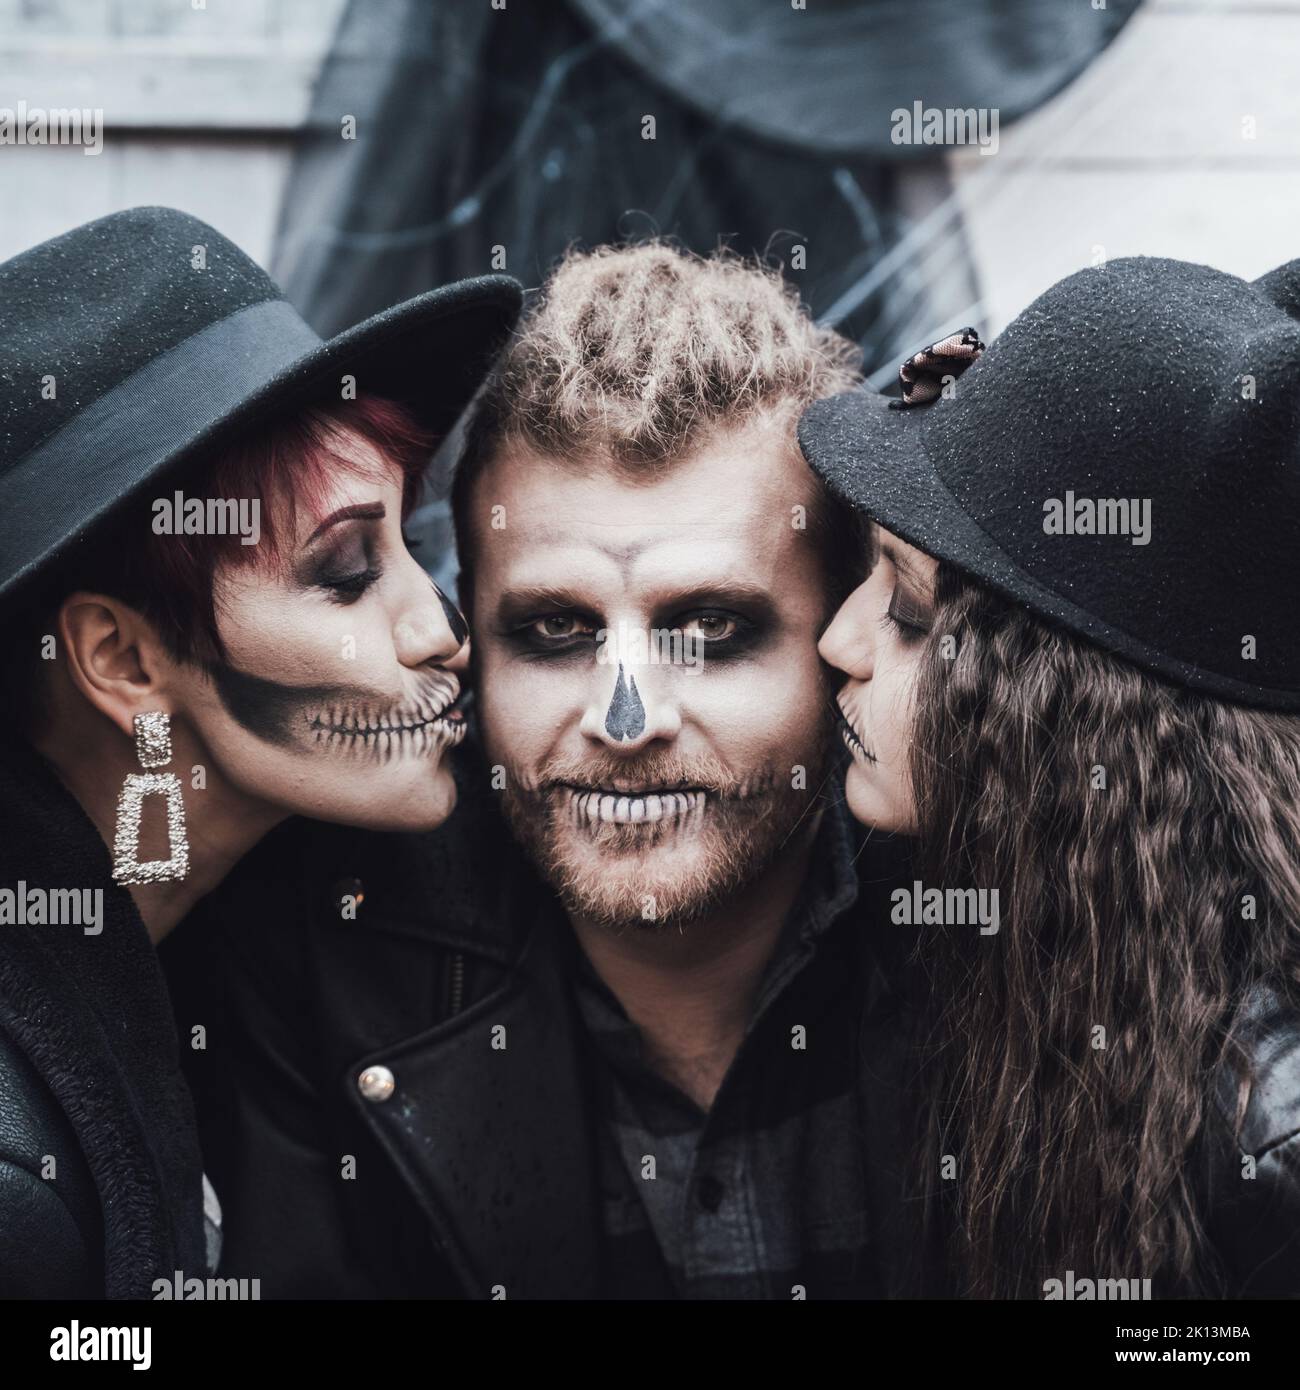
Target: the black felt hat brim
(874, 458)
(429, 353)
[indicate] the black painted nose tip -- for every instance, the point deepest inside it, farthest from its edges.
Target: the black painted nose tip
(455, 618)
(625, 717)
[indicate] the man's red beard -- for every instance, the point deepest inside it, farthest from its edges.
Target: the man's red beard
(658, 841)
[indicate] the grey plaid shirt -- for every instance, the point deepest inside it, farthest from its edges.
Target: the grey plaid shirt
(765, 1195)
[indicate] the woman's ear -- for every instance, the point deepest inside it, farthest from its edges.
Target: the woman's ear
(115, 657)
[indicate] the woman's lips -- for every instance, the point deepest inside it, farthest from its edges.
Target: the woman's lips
(456, 710)
(851, 737)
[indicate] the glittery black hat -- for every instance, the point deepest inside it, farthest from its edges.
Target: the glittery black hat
(1124, 460)
(131, 342)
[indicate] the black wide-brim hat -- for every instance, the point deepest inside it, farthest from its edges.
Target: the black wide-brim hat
(134, 343)
(832, 77)
(1145, 380)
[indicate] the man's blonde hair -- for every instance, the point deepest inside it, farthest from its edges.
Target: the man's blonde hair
(632, 355)
(635, 352)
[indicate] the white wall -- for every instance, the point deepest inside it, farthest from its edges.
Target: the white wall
(200, 106)
(1148, 154)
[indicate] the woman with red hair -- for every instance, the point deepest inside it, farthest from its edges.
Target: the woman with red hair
(213, 622)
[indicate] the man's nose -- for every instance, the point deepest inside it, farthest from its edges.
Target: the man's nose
(629, 706)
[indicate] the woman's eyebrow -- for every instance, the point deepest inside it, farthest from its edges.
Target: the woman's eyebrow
(906, 568)
(363, 511)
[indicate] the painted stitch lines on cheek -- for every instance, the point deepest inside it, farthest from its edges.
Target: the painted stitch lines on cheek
(848, 726)
(345, 720)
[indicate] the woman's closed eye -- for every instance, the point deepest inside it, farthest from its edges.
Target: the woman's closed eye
(349, 587)
(349, 569)
(907, 615)
(346, 571)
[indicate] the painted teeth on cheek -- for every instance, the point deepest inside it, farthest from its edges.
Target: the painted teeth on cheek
(425, 710)
(851, 738)
(377, 741)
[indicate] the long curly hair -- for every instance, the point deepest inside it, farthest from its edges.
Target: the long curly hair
(1144, 840)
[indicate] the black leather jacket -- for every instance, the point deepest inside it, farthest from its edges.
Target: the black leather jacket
(472, 1174)
(478, 1170)
(51, 1237)
(89, 1076)
(1251, 1176)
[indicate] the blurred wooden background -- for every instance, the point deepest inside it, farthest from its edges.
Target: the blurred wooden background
(200, 108)
(1183, 138)
(1148, 153)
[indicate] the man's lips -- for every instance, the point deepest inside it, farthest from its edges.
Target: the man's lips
(639, 806)
(621, 786)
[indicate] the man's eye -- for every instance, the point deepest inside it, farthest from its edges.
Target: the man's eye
(711, 627)
(559, 625)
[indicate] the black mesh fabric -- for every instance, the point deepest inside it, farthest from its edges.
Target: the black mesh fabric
(521, 128)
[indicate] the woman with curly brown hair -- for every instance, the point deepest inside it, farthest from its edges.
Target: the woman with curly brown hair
(1073, 676)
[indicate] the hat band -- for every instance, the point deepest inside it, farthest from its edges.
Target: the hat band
(139, 425)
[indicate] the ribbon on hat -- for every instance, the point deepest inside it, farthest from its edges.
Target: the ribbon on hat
(923, 373)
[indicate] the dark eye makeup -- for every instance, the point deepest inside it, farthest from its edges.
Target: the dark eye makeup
(347, 567)
(740, 635)
(537, 634)
(907, 615)
(560, 627)
(350, 565)
(350, 587)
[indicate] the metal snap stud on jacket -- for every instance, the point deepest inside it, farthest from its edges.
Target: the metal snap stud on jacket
(376, 1084)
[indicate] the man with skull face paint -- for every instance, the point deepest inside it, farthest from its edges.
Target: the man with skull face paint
(598, 1036)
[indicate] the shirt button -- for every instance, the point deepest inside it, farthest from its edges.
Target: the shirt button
(376, 1084)
(710, 1192)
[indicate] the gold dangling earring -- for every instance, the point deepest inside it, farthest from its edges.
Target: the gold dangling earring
(153, 746)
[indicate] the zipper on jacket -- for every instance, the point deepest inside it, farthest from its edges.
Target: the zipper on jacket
(457, 982)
